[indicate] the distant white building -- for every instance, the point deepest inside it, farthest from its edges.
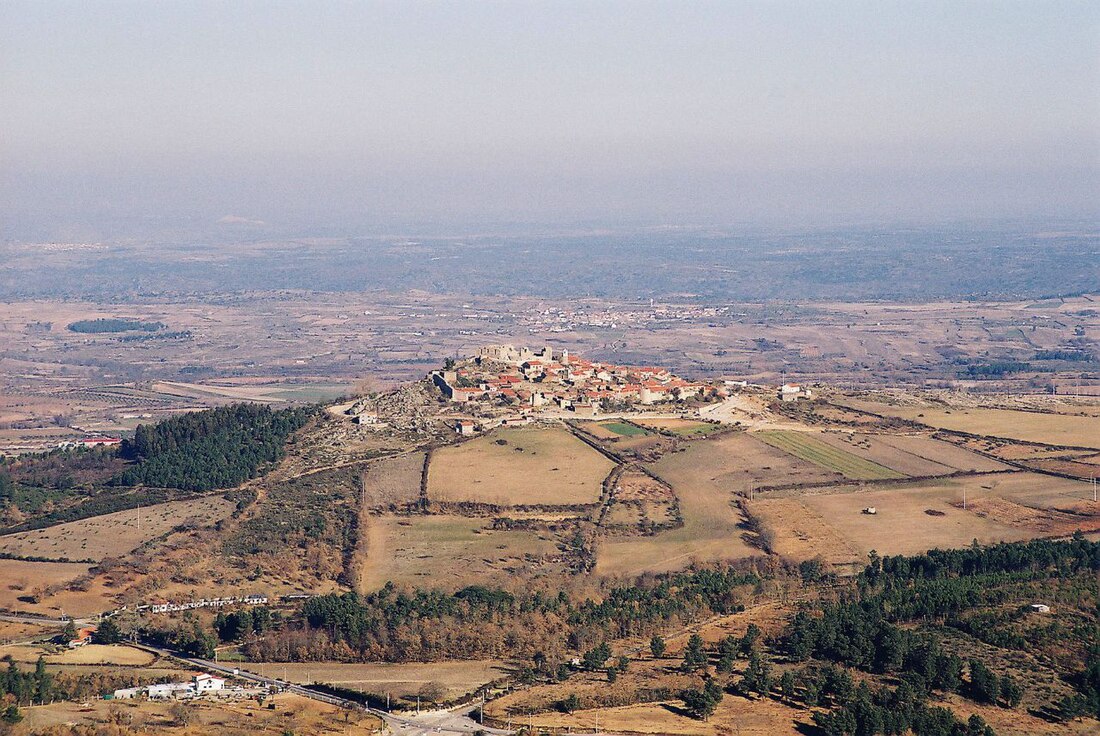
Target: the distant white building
(201, 684)
(165, 690)
(128, 693)
(794, 392)
(205, 683)
(1039, 608)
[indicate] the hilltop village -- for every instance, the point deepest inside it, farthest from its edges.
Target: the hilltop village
(543, 377)
(506, 385)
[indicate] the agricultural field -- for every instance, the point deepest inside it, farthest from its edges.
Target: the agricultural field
(89, 654)
(114, 535)
(447, 550)
(1083, 468)
(392, 480)
(711, 525)
(1003, 507)
(622, 429)
(682, 427)
(599, 431)
(810, 447)
(27, 579)
(801, 533)
(513, 467)
(954, 457)
(14, 631)
(1029, 426)
(398, 680)
(739, 461)
(641, 504)
(291, 714)
(911, 455)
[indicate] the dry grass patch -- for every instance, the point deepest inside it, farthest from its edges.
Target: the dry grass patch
(113, 535)
(292, 713)
(712, 528)
(944, 453)
(451, 551)
(800, 533)
(740, 461)
(117, 654)
(513, 467)
(22, 579)
(457, 678)
(392, 480)
(734, 714)
(902, 526)
(16, 631)
(1030, 426)
(1084, 469)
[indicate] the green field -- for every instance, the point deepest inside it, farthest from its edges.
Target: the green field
(624, 429)
(681, 427)
(805, 446)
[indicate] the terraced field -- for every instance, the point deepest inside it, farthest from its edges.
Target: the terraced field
(806, 446)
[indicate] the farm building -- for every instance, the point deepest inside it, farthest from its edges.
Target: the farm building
(794, 392)
(205, 683)
(1039, 608)
(200, 684)
(83, 636)
(465, 427)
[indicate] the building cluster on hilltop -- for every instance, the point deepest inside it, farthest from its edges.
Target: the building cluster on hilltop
(544, 378)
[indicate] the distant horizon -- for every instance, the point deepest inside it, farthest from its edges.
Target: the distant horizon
(235, 227)
(444, 115)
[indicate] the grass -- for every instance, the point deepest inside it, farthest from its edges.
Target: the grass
(624, 429)
(289, 714)
(711, 529)
(446, 550)
(457, 678)
(1030, 426)
(805, 446)
(1006, 507)
(115, 534)
(102, 654)
(682, 427)
(519, 467)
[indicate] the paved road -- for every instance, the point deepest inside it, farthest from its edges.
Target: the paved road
(36, 620)
(24, 618)
(430, 722)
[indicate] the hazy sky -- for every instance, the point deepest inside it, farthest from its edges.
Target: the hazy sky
(383, 113)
